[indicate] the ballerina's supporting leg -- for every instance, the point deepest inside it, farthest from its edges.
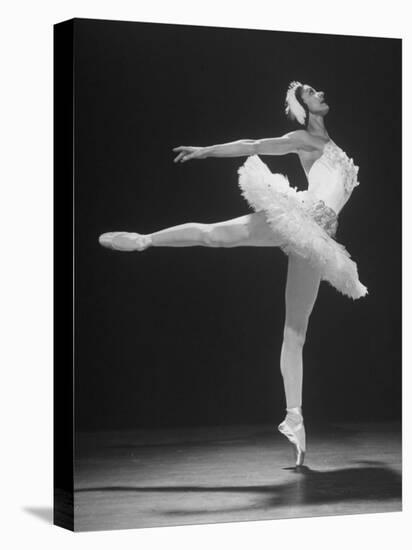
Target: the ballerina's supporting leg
(302, 287)
(249, 230)
(301, 291)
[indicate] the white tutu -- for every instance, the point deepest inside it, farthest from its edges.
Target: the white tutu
(305, 224)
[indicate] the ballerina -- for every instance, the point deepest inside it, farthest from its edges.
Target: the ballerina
(302, 223)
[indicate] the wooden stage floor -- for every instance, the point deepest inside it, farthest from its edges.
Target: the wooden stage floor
(152, 478)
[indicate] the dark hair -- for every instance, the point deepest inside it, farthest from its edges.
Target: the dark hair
(298, 94)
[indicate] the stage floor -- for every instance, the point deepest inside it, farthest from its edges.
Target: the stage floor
(152, 478)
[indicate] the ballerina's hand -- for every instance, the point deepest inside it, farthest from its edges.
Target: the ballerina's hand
(189, 153)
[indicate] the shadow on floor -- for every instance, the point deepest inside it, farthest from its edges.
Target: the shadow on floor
(371, 482)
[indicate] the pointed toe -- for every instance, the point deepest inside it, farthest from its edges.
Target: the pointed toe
(294, 431)
(106, 239)
(125, 241)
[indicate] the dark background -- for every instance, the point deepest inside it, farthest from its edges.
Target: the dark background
(192, 336)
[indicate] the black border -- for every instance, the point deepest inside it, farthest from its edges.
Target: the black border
(63, 222)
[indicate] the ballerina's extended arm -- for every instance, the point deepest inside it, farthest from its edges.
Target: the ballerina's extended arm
(289, 143)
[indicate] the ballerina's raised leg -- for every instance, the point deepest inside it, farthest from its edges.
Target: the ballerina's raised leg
(249, 230)
(301, 291)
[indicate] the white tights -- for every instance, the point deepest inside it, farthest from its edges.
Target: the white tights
(301, 287)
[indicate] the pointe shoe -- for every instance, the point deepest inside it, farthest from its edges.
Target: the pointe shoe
(126, 242)
(293, 428)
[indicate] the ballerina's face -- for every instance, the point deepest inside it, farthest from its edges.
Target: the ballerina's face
(314, 100)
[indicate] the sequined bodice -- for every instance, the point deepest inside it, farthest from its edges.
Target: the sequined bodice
(332, 177)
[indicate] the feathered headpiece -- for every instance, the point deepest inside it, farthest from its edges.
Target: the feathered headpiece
(292, 104)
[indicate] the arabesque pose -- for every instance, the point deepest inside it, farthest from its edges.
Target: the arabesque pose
(302, 223)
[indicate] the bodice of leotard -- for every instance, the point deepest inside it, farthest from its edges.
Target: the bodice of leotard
(332, 177)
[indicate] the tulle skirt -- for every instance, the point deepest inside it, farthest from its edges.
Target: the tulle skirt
(306, 225)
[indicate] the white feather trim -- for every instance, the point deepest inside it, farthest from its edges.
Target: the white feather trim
(293, 104)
